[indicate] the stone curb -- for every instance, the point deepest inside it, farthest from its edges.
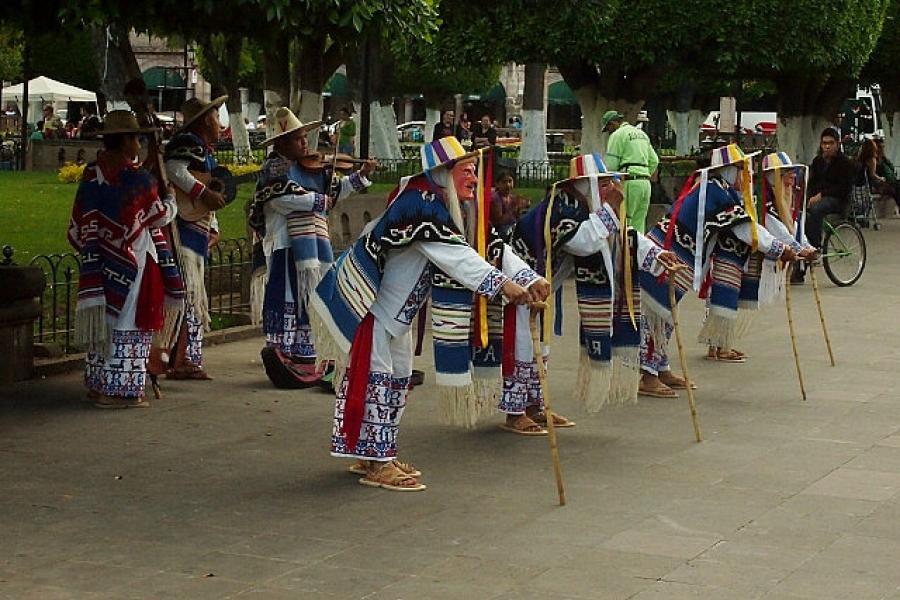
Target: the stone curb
(75, 362)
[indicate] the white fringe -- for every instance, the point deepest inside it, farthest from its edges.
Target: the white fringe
(257, 295)
(656, 326)
(193, 268)
(593, 383)
(718, 331)
(462, 406)
(173, 315)
(327, 348)
(626, 376)
(771, 283)
(91, 329)
(308, 277)
(743, 323)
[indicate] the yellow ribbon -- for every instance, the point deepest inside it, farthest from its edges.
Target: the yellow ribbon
(626, 256)
(749, 206)
(481, 247)
(548, 265)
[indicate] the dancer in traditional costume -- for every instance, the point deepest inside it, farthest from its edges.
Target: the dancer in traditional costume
(717, 202)
(189, 163)
(577, 229)
(365, 305)
(128, 279)
(290, 214)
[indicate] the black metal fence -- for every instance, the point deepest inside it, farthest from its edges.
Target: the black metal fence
(228, 273)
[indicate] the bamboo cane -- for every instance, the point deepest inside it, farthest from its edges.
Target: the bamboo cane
(790, 317)
(684, 370)
(536, 308)
(815, 282)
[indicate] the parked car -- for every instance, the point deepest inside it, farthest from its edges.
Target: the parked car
(411, 131)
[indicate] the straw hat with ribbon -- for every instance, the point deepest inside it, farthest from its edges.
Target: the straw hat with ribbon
(194, 108)
(775, 163)
(122, 122)
(286, 122)
(443, 152)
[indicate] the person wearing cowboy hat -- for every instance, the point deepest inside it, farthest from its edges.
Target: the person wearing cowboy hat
(712, 231)
(189, 161)
(128, 280)
(364, 308)
(289, 213)
(629, 150)
(581, 214)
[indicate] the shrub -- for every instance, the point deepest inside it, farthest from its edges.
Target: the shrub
(70, 172)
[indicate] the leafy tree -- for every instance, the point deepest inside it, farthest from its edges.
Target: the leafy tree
(10, 54)
(881, 69)
(813, 51)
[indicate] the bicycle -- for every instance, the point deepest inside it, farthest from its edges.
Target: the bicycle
(843, 251)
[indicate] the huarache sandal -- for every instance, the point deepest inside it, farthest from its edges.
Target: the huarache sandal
(728, 356)
(660, 391)
(360, 468)
(523, 425)
(387, 476)
(559, 421)
(110, 402)
(677, 383)
(191, 372)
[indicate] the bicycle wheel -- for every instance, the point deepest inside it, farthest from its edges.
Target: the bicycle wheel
(844, 256)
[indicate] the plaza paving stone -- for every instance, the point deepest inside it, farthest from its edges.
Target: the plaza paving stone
(225, 489)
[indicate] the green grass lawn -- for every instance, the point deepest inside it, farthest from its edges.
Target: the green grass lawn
(35, 209)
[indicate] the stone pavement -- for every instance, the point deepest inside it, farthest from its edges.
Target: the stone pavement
(225, 489)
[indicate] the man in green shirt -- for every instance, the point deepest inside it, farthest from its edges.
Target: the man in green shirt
(629, 151)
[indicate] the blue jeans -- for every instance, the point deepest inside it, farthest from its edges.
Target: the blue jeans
(816, 213)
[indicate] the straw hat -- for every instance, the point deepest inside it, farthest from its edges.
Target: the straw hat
(589, 165)
(121, 122)
(778, 160)
(728, 155)
(194, 108)
(286, 122)
(443, 152)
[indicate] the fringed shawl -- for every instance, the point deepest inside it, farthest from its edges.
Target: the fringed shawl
(115, 202)
(609, 370)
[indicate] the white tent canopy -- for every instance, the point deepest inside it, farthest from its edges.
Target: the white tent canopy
(44, 89)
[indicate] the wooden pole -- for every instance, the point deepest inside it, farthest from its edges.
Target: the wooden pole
(536, 308)
(815, 282)
(684, 370)
(790, 317)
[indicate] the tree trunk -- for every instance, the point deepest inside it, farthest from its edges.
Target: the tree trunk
(534, 122)
(687, 129)
(276, 79)
(384, 143)
(115, 63)
(890, 123)
(593, 105)
(790, 136)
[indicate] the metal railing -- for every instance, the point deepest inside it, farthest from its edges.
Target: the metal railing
(228, 274)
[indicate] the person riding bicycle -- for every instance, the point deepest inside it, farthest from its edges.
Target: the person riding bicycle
(830, 177)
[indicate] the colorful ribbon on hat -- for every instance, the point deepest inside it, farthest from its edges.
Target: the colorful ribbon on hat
(482, 229)
(749, 205)
(626, 256)
(548, 264)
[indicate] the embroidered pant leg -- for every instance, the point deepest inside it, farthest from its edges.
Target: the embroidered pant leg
(286, 323)
(523, 388)
(655, 352)
(389, 372)
(93, 371)
(194, 349)
(124, 369)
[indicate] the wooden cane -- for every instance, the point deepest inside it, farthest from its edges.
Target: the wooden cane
(684, 370)
(536, 308)
(790, 317)
(815, 282)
